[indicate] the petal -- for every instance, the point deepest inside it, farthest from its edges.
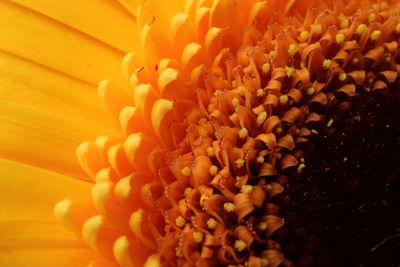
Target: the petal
(108, 21)
(38, 38)
(45, 115)
(41, 244)
(32, 192)
(30, 235)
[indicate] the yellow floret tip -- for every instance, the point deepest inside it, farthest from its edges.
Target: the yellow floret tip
(186, 171)
(327, 64)
(339, 38)
(243, 133)
(180, 221)
(283, 99)
(241, 90)
(211, 223)
(289, 71)
(213, 170)
(344, 23)
(361, 29)
(210, 151)
(240, 245)
(198, 237)
(240, 163)
(342, 76)
(372, 17)
(235, 101)
(293, 49)
(247, 189)
(229, 206)
(266, 67)
(375, 35)
(303, 37)
(261, 117)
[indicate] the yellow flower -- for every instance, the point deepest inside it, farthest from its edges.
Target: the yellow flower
(207, 103)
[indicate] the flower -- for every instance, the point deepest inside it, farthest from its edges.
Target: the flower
(219, 119)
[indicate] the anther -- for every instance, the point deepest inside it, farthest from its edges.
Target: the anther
(247, 189)
(239, 163)
(198, 237)
(344, 23)
(361, 29)
(210, 151)
(339, 38)
(211, 223)
(289, 71)
(241, 90)
(283, 99)
(398, 28)
(187, 191)
(186, 171)
(327, 63)
(229, 207)
(260, 159)
(260, 92)
(273, 53)
(303, 37)
(301, 167)
(235, 101)
(243, 133)
(213, 170)
(240, 245)
(203, 198)
(180, 221)
(218, 92)
(342, 76)
(330, 122)
(262, 226)
(266, 67)
(375, 35)
(264, 262)
(372, 17)
(293, 49)
(261, 117)
(310, 91)
(317, 28)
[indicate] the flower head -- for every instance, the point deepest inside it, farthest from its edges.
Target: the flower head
(225, 100)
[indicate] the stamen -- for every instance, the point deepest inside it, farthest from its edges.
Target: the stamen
(260, 159)
(339, 38)
(342, 76)
(235, 101)
(262, 226)
(310, 91)
(289, 71)
(247, 189)
(229, 206)
(260, 93)
(241, 90)
(186, 171)
(344, 23)
(180, 221)
(303, 37)
(198, 237)
(361, 29)
(239, 163)
(293, 49)
(375, 35)
(301, 167)
(210, 151)
(240, 245)
(283, 99)
(372, 17)
(327, 63)
(317, 28)
(243, 133)
(261, 117)
(213, 170)
(266, 67)
(211, 223)
(264, 262)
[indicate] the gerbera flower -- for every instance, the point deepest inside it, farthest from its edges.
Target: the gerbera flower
(242, 133)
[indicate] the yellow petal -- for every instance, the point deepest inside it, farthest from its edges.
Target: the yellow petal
(38, 38)
(45, 115)
(40, 244)
(32, 192)
(108, 21)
